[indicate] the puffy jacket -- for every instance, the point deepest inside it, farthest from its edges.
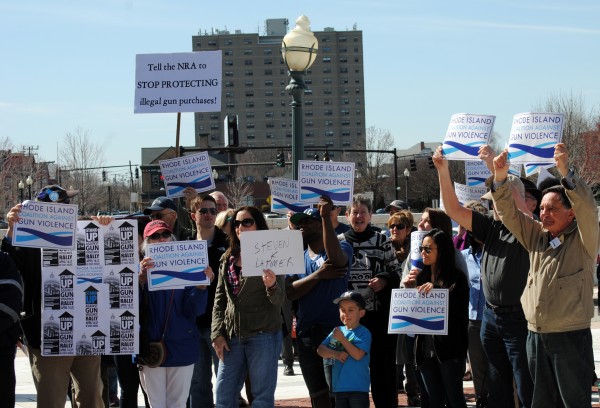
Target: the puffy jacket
(11, 302)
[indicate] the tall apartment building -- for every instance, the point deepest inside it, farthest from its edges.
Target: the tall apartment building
(254, 81)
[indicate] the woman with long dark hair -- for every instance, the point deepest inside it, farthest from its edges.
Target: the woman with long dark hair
(246, 324)
(441, 359)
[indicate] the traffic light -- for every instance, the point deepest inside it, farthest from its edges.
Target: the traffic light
(316, 157)
(155, 181)
(280, 160)
(413, 164)
(103, 176)
(326, 156)
(430, 162)
(137, 173)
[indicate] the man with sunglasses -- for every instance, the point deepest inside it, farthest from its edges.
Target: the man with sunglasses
(327, 268)
(204, 213)
(165, 209)
(51, 374)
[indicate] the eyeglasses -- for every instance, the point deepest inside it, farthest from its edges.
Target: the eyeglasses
(160, 215)
(158, 235)
(397, 226)
(426, 249)
(204, 211)
(246, 222)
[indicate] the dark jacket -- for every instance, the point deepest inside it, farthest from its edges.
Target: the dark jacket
(29, 262)
(217, 248)
(11, 303)
(454, 344)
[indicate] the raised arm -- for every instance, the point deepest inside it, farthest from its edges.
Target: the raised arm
(452, 206)
(335, 255)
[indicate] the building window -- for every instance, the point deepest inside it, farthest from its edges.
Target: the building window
(249, 94)
(250, 136)
(227, 42)
(329, 123)
(310, 133)
(269, 114)
(308, 92)
(343, 81)
(268, 51)
(269, 135)
(247, 52)
(270, 125)
(326, 49)
(228, 73)
(249, 104)
(325, 39)
(268, 93)
(249, 114)
(230, 105)
(214, 127)
(228, 84)
(329, 143)
(268, 104)
(268, 72)
(308, 113)
(346, 133)
(327, 102)
(268, 61)
(308, 123)
(248, 82)
(308, 102)
(345, 112)
(345, 122)
(358, 111)
(249, 125)
(342, 39)
(326, 59)
(247, 41)
(345, 102)
(288, 134)
(344, 91)
(329, 133)
(214, 116)
(343, 70)
(343, 60)
(283, 124)
(283, 114)
(344, 49)
(248, 72)
(328, 112)
(247, 62)
(269, 82)
(327, 81)
(228, 63)
(228, 52)
(212, 43)
(345, 143)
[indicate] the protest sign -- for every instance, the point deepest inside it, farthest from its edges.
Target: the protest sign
(466, 193)
(412, 312)
(187, 171)
(334, 179)
(285, 196)
(416, 239)
(90, 295)
(533, 137)
(46, 225)
(177, 264)
(476, 173)
(178, 82)
(279, 250)
(466, 134)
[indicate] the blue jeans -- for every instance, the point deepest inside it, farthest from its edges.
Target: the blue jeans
(562, 367)
(257, 355)
(504, 339)
(201, 390)
(444, 382)
(352, 400)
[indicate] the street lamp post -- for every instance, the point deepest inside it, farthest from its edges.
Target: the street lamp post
(109, 203)
(29, 182)
(21, 186)
(299, 50)
(406, 177)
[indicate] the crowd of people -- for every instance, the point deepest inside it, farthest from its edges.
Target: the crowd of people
(520, 301)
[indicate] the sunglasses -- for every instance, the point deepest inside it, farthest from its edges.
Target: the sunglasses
(426, 249)
(397, 226)
(246, 222)
(211, 211)
(160, 216)
(159, 235)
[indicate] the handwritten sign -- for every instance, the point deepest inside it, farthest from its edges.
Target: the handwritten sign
(285, 196)
(466, 193)
(46, 225)
(177, 264)
(179, 82)
(412, 312)
(533, 137)
(466, 134)
(279, 250)
(187, 171)
(317, 178)
(416, 239)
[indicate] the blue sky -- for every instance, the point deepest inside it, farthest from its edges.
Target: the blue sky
(69, 64)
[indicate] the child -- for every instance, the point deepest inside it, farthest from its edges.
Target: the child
(350, 346)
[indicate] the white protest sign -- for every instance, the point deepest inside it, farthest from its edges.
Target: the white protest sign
(416, 239)
(177, 264)
(476, 173)
(466, 134)
(533, 137)
(465, 193)
(285, 196)
(544, 175)
(187, 171)
(532, 168)
(334, 179)
(179, 82)
(412, 312)
(90, 295)
(46, 225)
(279, 250)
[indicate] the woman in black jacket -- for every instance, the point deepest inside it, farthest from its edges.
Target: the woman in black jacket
(441, 358)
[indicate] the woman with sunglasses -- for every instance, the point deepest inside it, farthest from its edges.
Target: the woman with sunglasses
(400, 226)
(246, 322)
(441, 359)
(171, 318)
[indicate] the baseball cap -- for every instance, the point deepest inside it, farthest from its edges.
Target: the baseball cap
(154, 226)
(531, 188)
(160, 204)
(55, 194)
(308, 213)
(399, 204)
(353, 296)
(515, 182)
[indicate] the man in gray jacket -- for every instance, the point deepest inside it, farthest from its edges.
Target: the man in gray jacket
(558, 297)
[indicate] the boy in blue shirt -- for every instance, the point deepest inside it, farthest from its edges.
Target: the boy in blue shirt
(349, 345)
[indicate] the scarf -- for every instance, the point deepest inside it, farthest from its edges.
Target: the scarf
(233, 278)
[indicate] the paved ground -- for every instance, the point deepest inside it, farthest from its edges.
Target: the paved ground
(291, 391)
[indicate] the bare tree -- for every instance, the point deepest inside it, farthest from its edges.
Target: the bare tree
(239, 193)
(79, 154)
(373, 173)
